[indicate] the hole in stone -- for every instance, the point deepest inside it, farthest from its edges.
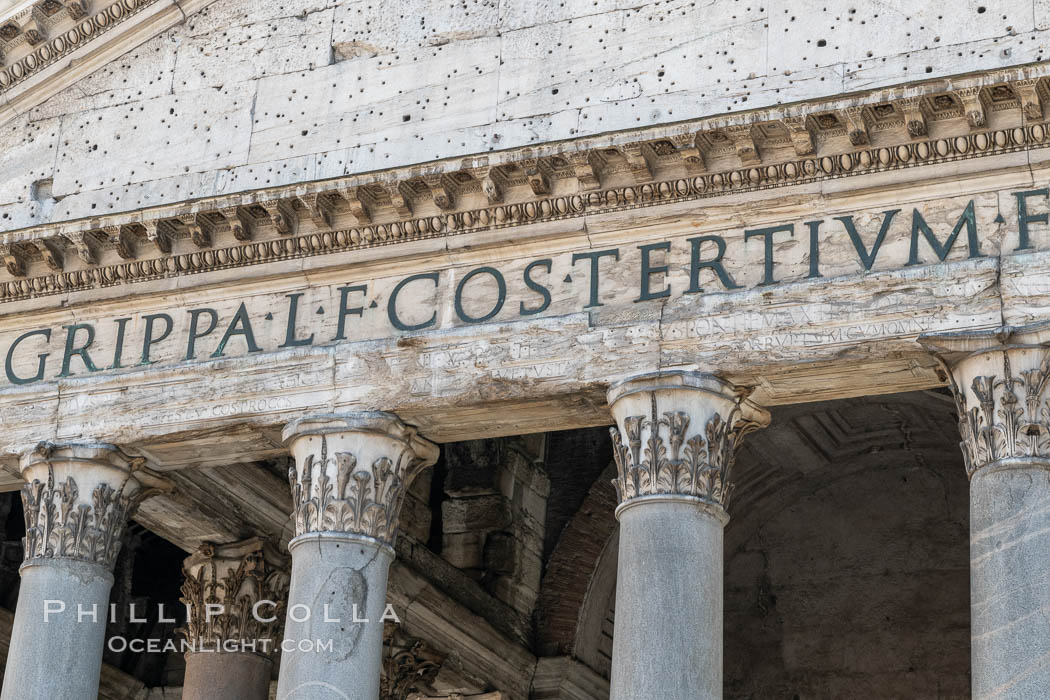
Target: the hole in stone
(41, 190)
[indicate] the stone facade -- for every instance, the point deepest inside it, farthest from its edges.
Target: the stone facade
(314, 317)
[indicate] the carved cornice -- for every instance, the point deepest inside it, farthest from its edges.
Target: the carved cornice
(358, 484)
(248, 582)
(691, 161)
(49, 30)
(664, 451)
(1000, 382)
(48, 45)
(80, 518)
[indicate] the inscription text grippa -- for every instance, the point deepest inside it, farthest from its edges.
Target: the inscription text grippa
(504, 291)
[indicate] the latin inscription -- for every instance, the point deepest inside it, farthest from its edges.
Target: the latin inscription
(615, 276)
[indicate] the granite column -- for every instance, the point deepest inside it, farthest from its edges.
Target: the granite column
(235, 596)
(77, 499)
(350, 478)
(674, 443)
(1001, 383)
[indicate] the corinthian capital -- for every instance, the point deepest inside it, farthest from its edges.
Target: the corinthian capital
(236, 595)
(78, 498)
(352, 471)
(1000, 381)
(676, 434)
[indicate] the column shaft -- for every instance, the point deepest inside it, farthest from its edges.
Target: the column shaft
(226, 676)
(60, 656)
(349, 481)
(668, 632)
(1000, 381)
(343, 579)
(674, 445)
(1010, 583)
(77, 500)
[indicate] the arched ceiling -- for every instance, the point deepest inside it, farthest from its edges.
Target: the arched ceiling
(836, 465)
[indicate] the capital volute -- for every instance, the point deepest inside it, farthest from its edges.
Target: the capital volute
(351, 472)
(78, 497)
(1000, 380)
(676, 435)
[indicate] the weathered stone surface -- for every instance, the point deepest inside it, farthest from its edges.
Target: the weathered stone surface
(847, 333)
(507, 76)
(38, 645)
(113, 685)
(213, 106)
(331, 570)
(476, 513)
(670, 560)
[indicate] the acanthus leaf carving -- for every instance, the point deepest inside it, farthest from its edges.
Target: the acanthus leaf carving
(400, 195)
(1028, 93)
(282, 215)
(84, 243)
(61, 523)
(914, 117)
(856, 126)
(361, 499)
(51, 253)
(743, 143)
(221, 588)
(241, 222)
(1010, 418)
(973, 107)
(161, 232)
(585, 170)
(14, 259)
(361, 202)
(441, 190)
(200, 228)
(640, 159)
(671, 461)
(321, 209)
(536, 175)
(123, 240)
(801, 138)
(77, 9)
(493, 183)
(34, 36)
(410, 666)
